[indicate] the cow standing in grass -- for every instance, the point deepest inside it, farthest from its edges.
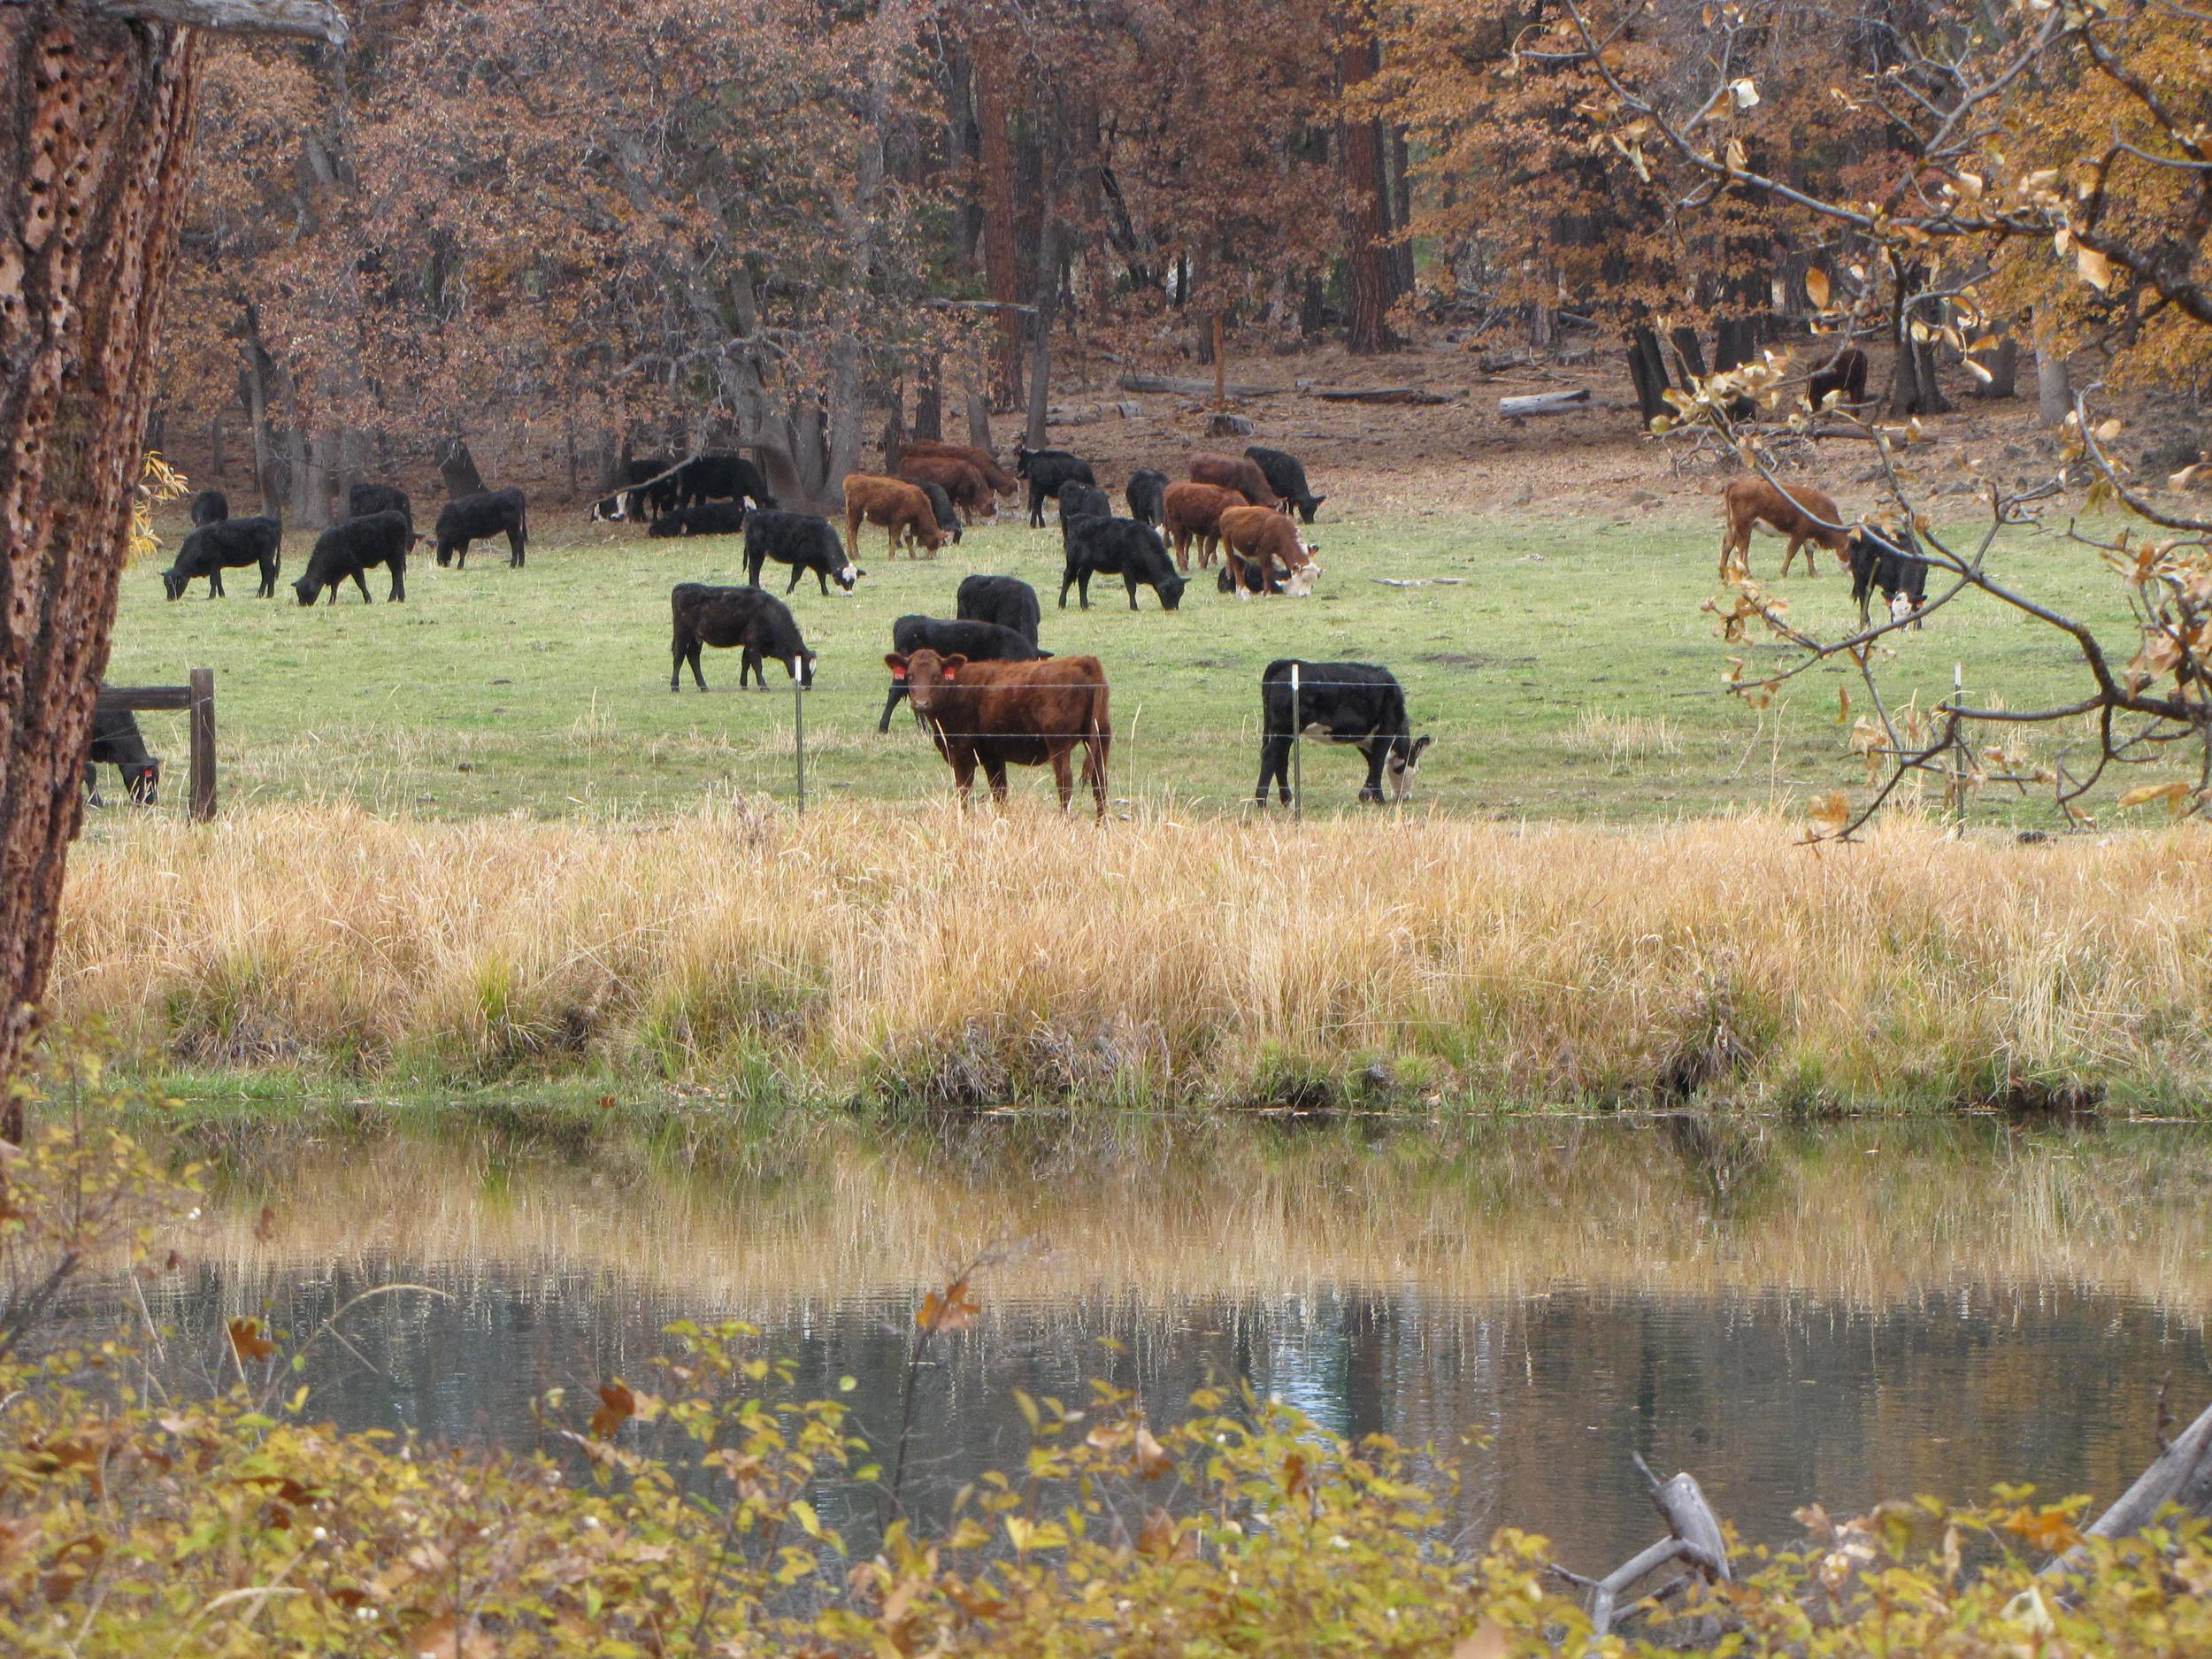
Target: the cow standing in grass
(995, 715)
(754, 622)
(1358, 703)
(978, 641)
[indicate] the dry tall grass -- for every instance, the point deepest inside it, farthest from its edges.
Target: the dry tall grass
(914, 952)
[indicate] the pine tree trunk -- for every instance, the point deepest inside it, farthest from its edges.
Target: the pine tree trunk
(96, 132)
(1365, 188)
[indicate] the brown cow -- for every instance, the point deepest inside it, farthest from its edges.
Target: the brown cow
(1239, 472)
(970, 491)
(1024, 714)
(1193, 510)
(974, 453)
(898, 506)
(1266, 540)
(1797, 513)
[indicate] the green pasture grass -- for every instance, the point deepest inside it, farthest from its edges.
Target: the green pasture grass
(1559, 658)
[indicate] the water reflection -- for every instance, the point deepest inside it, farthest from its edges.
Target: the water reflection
(1422, 1290)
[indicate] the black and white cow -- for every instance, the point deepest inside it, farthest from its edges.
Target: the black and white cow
(480, 518)
(1008, 601)
(227, 544)
(1357, 703)
(978, 641)
(644, 494)
(801, 539)
(1897, 567)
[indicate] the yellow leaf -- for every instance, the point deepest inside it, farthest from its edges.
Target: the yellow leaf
(2174, 794)
(2095, 269)
(1817, 288)
(1831, 812)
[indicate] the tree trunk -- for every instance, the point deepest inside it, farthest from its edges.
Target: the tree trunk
(929, 400)
(215, 457)
(1400, 209)
(96, 134)
(978, 412)
(1648, 368)
(1693, 351)
(2053, 393)
(457, 467)
(996, 158)
(1364, 187)
(1912, 389)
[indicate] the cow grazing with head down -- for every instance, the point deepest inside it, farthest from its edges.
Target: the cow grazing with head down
(1801, 513)
(1147, 495)
(941, 504)
(1358, 703)
(364, 499)
(1845, 372)
(801, 541)
(210, 506)
(1287, 476)
(997, 477)
(118, 742)
(352, 549)
(1046, 469)
(978, 641)
(478, 517)
(649, 488)
(708, 517)
(1193, 514)
(1008, 601)
(995, 715)
(957, 478)
(898, 506)
(721, 477)
(1238, 473)
(757, 622)
(1893, 564)
(1117, 547)
(1261, 540)
(227, 544)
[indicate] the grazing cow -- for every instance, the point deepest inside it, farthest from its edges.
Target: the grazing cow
(1846, 372)
(900, 507)
(957, 476)
(117, 742)
(1148, 496)
(1260, 539)
(1357, 703)
(1194, 511)
(723, 617)
(1238, 473)
(713, 518)
(980, 459)
(1898, 568)
(480, 518)
(227, 544)
(351, 549)
(721, 477)
(210, 506)
(645, 494)
(1046, 469)
(1008, 601)
(1023, 714)
(1800, 513)
(941, 504)
(1117, 547)
(801, 541)
(978, 641)
(1287, 476)
(364, 499)
(1254, 580)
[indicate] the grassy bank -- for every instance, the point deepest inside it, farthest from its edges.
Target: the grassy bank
(909, 956)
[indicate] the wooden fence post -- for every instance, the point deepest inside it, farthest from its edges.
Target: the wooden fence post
(202, 707)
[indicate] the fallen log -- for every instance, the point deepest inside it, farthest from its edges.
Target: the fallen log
(1545, 403)
(1175, 386)
(2180, 1474)
(1380, 394)
(1085, 414)
(1694, 1537)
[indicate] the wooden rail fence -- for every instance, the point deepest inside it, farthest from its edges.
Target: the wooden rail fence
(197, 699)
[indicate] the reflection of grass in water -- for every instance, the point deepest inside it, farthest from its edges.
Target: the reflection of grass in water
(1863, 1215)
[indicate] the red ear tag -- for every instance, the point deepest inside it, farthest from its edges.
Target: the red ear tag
(898, 673)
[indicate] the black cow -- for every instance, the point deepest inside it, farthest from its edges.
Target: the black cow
(1900, 569)
(721, 477)
(227, 544)
(939, 503)
(479, 519)
(1008, 601)
(1148, 496)
(801, 539)
(638, 499)
(713, 518)
(364, 499)
(1845, 372)
(1287, 479)
(1046, 469)
(210, 506)
(117, 742)
(1123, 548)
(1079, 500)
(352, 549)
(725, 617)
(1357, 703)
(1254, 578)
(978, 641)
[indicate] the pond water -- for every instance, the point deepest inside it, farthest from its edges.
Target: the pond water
(1843, 1315)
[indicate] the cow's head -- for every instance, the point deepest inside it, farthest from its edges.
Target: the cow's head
(925, 674)
(1309, 506)
(1401, 761)
(1170, 588)
(309, 590)
(847, 572)
(608, 512)
(172, 582)
(801, 666)
(143, 779)
(1903, 607)
(1300, 582)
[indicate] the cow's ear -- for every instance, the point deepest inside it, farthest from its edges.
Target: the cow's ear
(1419, 743)
(953, 664)
(896, 661)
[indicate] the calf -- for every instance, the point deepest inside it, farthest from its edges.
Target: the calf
(364, 499)
(117, 742)
(1357, 703)
(1259, 539)
(1194, 512)
(1800, 513)
(974, 454)
(1117, 547)
(713, 518)
(1046, 469)
(801, 541)
(1022, 714)
(721, 477)
(759, 622)
(978, 641)
(1844, 373)
(1238, 473)
(898, 506)
(1008, 601)
(227, 544)
(1287, 479)
(210, 506)
(645, 494)
(1898, 568)
(351, 549)
(957, 478)
(941, 504)
(480, 518)
(1148, 496)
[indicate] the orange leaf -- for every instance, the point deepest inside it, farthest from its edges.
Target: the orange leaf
(1152, 1458)
(247, 1342)
(1486, 1640)
(617, 1406)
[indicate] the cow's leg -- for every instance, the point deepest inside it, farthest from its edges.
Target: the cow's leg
(1208, 552)
(1094, 771)
(1274, 762)
(696, 649)
(514, 547)
(399, 581)
(268, 579)
(898, 690)
(821, 579)
(1182, 551)
(962, 759)
(995, 769)
(92, 784)
(360, 580)
(1083, 586)
(852, 529)
(752, 562)
(1129, 581)
(215, 583)
(1371, 790)
(1067, 580)
(1063, 774)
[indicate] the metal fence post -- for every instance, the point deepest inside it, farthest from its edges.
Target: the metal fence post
(203, 728)
(1297, 750)
(798, 738)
